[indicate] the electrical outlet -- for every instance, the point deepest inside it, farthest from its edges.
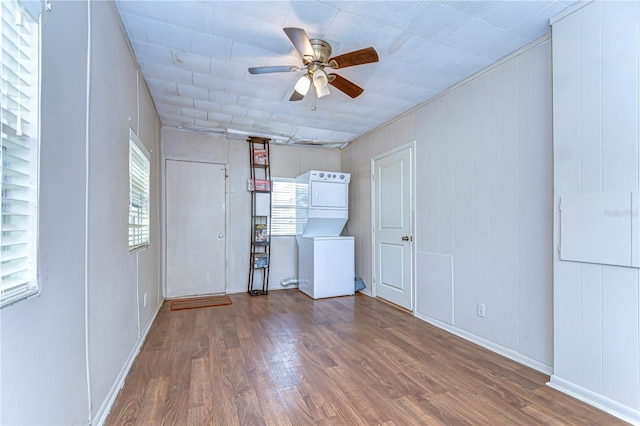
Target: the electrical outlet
(144, 300)
(481, 309)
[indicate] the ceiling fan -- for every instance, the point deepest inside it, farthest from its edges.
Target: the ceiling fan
(316, 56)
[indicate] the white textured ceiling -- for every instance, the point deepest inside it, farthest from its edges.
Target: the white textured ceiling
(194, 56)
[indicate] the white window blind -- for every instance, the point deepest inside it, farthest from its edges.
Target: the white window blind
(283, 206)
(19, 150)
(139, 181)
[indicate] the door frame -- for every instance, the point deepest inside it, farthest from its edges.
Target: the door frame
(412, 203)
(164, 220)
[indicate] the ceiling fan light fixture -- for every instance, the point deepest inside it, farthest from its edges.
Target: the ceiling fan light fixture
(316, 56)
(321, 83)
(302, 86)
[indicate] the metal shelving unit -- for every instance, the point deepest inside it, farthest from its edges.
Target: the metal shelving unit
(260, 187)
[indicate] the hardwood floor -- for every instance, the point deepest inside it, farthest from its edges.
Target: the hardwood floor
(285, 359)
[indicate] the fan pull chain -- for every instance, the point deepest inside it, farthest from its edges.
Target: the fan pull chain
(313, 104)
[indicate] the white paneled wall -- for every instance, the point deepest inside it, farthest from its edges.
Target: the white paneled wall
(596, 119)
(483, 208)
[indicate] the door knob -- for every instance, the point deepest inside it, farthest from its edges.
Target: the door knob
(221, 236)
(407, 238)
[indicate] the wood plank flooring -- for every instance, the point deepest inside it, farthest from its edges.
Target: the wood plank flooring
(285, 359)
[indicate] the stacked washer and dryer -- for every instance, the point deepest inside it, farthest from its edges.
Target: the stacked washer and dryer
(325, 258)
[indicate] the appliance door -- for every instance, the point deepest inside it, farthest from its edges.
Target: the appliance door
(326, 266)
(333, 267)
(329, 195)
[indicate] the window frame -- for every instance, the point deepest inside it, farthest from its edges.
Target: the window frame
(22, 15)
(275, 222)
(142, 213)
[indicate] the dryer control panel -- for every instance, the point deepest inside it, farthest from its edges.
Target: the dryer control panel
(317, 175)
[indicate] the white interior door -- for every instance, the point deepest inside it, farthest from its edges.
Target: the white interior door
(393, 239)
(195, 228)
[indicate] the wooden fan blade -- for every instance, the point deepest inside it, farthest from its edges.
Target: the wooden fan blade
(345, 85)
(295, 96)
(301, 42)
(265, 70)
(357, 57)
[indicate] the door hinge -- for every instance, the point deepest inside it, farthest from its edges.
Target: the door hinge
(373, 178)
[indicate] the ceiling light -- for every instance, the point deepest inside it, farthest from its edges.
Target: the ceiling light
(302, 86)
(321, 83)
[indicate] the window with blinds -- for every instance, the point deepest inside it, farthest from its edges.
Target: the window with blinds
(139, 181)
(19, 150)
(283, 207)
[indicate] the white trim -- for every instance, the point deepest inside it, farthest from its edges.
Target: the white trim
(500, 350)
(607, 405)
(87, 210)
(27, 294)
(372, 206)
(227, 224)
(163, 219)
(138, 101)
(138, 293)
(139, 144)
(568, 11)
(239, 290)
(105, 409)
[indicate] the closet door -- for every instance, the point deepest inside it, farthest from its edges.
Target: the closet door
(195, 228)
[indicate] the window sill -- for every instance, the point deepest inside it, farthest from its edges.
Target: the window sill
(138, 248)
(5, 303)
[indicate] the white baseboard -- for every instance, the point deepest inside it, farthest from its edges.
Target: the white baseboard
(367, 292)
(273, 285)
(105, 409)
(599, 401)
(501, 350)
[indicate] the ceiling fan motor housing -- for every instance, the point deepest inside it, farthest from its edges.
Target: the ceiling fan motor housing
(322, 50)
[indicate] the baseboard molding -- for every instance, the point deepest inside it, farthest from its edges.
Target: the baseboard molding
(105, 409)
(601, 402)
(501, 350)
(279, 287)
(274, 288)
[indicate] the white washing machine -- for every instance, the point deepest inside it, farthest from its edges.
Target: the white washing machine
(326, 266)
(325, 259)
